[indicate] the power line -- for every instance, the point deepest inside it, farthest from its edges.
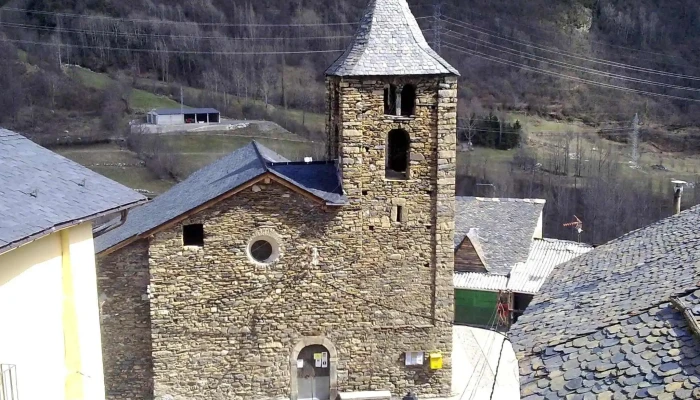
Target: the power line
(563, 64)
(468, 26)
(495, 375)
(483, 367)
(491, 322)
(560, 33)
(171, 51)
(160, 35)
(560, 75)
(157, 21)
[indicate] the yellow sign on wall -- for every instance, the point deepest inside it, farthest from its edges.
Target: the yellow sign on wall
(436, 360)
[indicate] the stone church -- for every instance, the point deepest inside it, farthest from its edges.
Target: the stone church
(264, 278)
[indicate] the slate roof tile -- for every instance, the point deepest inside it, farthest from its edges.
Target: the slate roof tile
(643, 370)
(41, 191)
(249, 162)
(505, 228)
(389, 42)
(604, 285)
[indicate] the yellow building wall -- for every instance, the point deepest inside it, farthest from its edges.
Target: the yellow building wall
(49, 320)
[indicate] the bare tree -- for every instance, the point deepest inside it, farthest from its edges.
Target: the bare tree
(468, 121)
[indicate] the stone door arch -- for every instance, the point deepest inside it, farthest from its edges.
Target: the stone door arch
(313, 343)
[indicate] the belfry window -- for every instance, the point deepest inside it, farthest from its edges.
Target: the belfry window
(397, 154)
(390, 100)
(408, 100)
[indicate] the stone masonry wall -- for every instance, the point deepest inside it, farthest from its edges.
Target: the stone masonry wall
(223, 327)
(413, 260)
(122, 279)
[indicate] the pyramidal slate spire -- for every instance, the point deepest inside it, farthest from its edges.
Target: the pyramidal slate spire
(389, 42)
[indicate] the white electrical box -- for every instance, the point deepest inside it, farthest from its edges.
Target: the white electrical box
(414, 358)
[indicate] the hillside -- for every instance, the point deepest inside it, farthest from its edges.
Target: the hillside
(561, 64)
(573, 77)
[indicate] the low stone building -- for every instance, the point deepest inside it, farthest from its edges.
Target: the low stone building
(261, 278)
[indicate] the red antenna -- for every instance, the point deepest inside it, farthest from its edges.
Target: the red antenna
(578, 225)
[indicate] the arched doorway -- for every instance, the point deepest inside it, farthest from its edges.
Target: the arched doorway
(314, 370)
(314, 375)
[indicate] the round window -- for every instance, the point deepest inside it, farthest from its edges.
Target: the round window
(261, 250)
(264, 249)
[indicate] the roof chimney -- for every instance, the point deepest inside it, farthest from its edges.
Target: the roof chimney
(677, 193)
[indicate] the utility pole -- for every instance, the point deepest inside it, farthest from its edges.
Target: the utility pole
(58, 29)
(635, 140)
(437, 26)
(182, 101)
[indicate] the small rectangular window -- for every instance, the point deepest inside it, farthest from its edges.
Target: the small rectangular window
(399, 213)
(193, 235)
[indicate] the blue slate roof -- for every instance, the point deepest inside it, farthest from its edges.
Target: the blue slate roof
(505, 227)
(249, 162)
(41, 192)
(177, 111)
(602, 321)
(389, 42)
(319, 178)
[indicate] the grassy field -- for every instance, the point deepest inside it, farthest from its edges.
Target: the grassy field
(194, 151)
(140, 100)
(545, 140)
(197, 151)
(143, 101)
(102, 158)
(314, 121)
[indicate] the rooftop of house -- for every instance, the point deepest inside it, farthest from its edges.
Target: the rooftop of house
(178, 111)
(545, 255)
(389, 42)
(529, 276)
(603, 322)
(505, 228)
(319, 179)
(42, 192)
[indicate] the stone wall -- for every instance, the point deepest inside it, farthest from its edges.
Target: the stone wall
(122, 283)
(224, 327)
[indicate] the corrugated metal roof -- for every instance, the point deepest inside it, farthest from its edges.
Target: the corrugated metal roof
(177, 111)
(479, 281)
(545, 254)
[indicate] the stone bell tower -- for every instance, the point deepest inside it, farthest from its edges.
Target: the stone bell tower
(391, 124)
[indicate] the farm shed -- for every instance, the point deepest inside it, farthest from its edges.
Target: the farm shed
(176, 116)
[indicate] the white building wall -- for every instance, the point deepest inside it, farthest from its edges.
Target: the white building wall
(170, 119)
(84, 274)
(31, 318)
(34, 324)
